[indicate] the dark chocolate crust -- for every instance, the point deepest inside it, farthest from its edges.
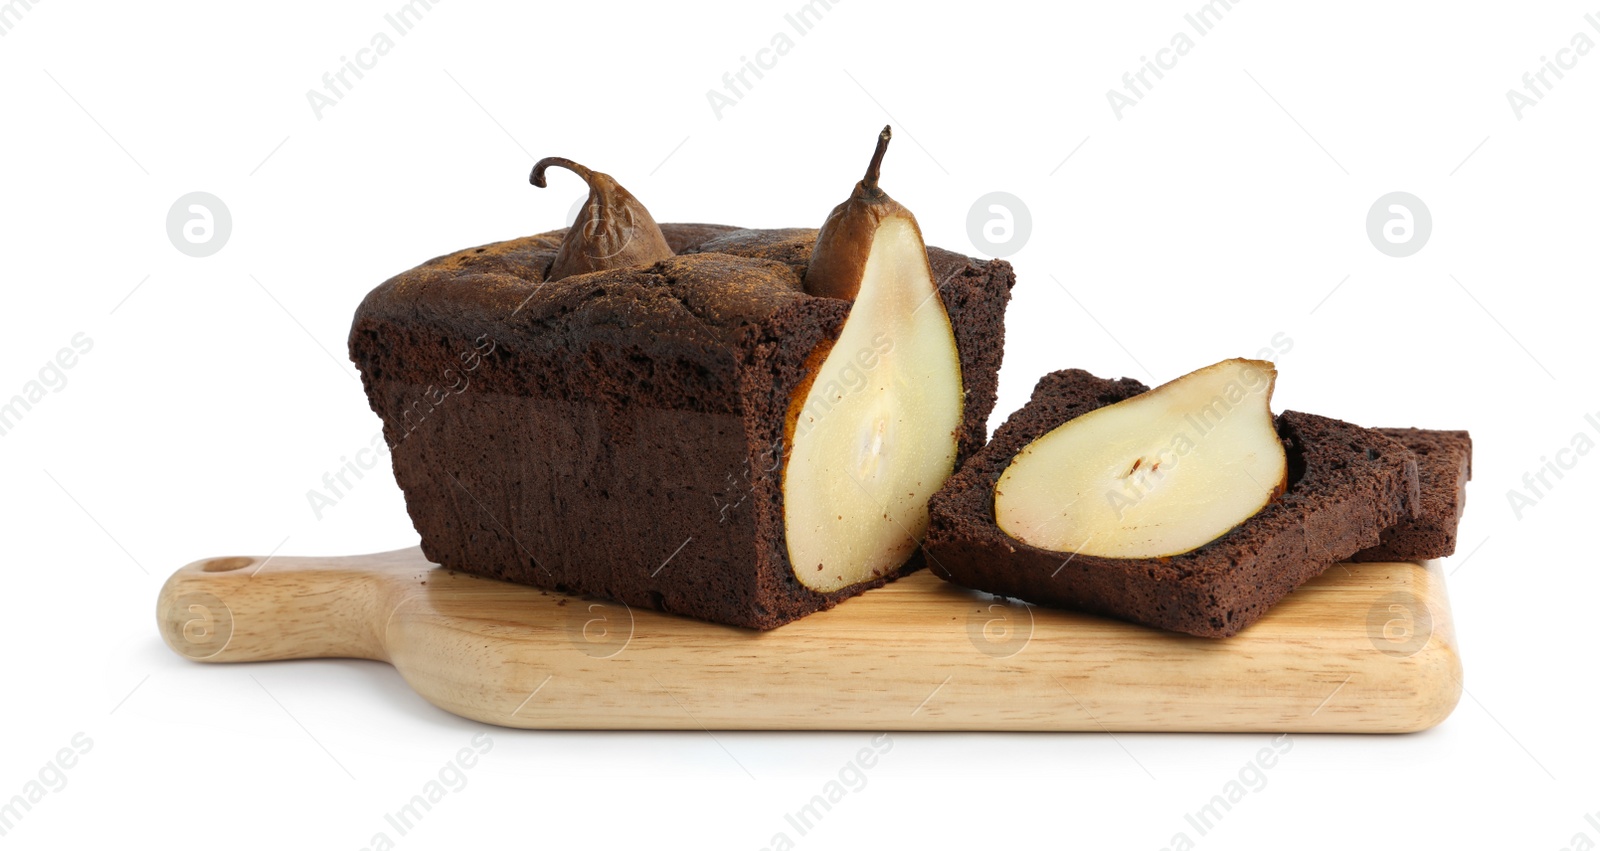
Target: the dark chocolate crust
(620, 433)
(1346, 484)
(1444, 466)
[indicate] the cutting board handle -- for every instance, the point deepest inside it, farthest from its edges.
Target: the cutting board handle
(253, 609)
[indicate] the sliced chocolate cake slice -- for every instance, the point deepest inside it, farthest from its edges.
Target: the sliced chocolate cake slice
(1444, 466)
(1344, 486)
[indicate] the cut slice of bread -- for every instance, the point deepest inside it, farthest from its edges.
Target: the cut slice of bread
(1444, 465)
(1346, 485)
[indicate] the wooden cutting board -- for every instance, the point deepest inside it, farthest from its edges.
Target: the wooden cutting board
(1365, 648)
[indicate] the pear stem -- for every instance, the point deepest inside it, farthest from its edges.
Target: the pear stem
(537, 177)
(871, 180)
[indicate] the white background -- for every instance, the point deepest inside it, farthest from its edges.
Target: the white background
(1226, 207)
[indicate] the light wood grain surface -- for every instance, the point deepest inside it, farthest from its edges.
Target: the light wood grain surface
(1365, 648)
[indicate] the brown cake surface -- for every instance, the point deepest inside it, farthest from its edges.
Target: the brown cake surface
(1444, 466)
(1346, 485)
(620, 433)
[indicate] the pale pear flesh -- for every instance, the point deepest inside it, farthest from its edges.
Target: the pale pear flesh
(1155, 475)
(877, 433)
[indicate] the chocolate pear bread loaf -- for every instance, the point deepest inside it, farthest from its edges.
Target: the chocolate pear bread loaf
(1444, 466)
(623, 432)
(1345, 485)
